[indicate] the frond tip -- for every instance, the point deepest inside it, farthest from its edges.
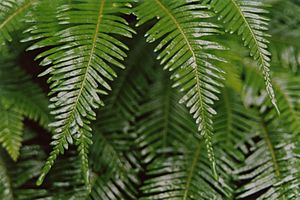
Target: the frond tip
(184, 49)
(245, 18)
(80, 70)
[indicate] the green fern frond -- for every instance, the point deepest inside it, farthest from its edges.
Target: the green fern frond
(133, 82)
(287, 90)
(80, 71)
(176, 163)
(284, 44)
(246, 18)
(161, 118)
(11, 130)
(15, 176)
(12, 13)
(179, 175)
(184, 51)
(114, 164)
(20, 98)
(272, 170)
(233, 125)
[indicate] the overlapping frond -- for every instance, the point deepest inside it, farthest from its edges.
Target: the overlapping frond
(181, 30)
(80, 68)
(114, 162)
(287, 89)
(176, 163)
(285, 48)
(233, 125)
(20, 98)
(247, 19)
(12, 14)
(15, 176)
(272, 169)
(161, 119)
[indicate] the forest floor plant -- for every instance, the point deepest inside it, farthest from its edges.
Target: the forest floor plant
(150, 99)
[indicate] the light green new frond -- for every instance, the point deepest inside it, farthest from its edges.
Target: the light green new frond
(11, 129)
(272, 169)
(81, 68)
(20, 98)
(12, 13)
(246, 18)
(180, 30)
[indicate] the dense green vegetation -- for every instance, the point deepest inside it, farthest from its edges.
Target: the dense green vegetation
(149, 99)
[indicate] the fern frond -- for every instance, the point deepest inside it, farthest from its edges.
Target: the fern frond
(80, 71)
(184, 51)
(233, 125)
(246, 18)
(11, 129)
(176, 163)
(12, 13)
(15, 177)
(181, 172)
(272, 170)
(284, 44)
(133, 82)
(162, 119)
(20, 98)
(287, 90)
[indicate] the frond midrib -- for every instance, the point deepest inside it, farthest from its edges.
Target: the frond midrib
(17, 12)
(195, 69)
(205, 130)
(271, 149)
(191, 172)
(250, 29)
(166, 116)
(260, 53)
(99, 19)
(228, 113)
(179, 28)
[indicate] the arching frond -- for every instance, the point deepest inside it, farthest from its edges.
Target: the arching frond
(114, 159)
(20, 98)
(80, 68)
(12, 13)
(233, 126)
(246, 18)
(184, 50)
(272, 169)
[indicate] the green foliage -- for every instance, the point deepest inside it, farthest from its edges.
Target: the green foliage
(150, 99)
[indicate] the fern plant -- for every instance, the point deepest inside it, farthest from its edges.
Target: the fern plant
(149, 99)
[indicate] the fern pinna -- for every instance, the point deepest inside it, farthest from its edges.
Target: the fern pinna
(149, 99)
